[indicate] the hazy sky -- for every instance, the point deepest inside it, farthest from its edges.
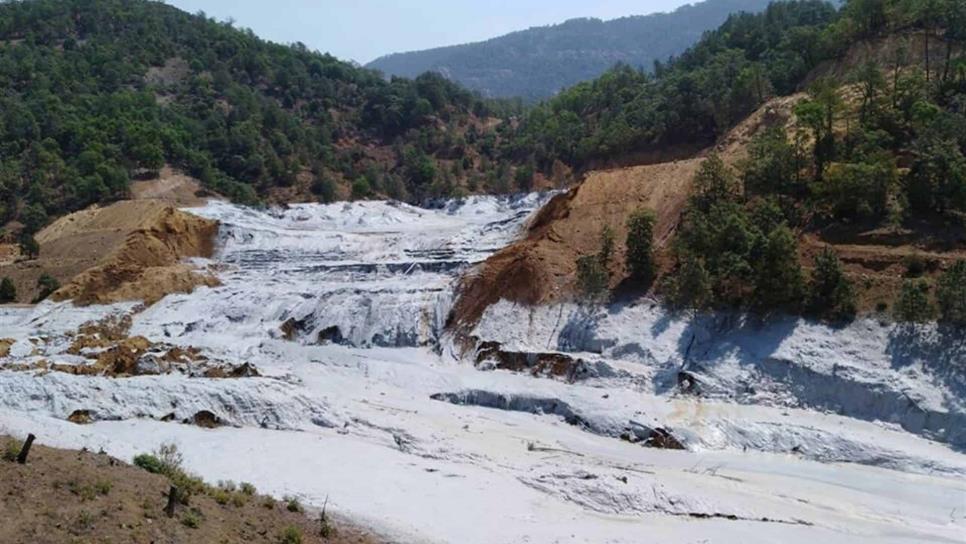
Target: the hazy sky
(362, 30)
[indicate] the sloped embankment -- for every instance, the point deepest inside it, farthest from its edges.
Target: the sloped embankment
(81, 496)
(130, 250)
(541, 267)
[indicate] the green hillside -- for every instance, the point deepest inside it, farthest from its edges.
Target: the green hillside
(538, 62)
(96, 92)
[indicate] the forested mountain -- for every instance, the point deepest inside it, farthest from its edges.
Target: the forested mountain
(872, 147)
(540, 61)
(96, 92)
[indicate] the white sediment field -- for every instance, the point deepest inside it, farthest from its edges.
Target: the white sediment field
(794, 431)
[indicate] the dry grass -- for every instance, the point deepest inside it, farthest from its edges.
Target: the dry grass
(66, 496)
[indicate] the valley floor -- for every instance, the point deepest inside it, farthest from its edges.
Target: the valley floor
(798, 433)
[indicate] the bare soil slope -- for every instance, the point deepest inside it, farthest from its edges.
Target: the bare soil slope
(541, 267)
(129, 250)
(65, 496)
(171, 185)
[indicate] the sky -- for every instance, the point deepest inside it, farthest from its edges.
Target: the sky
(362, 30)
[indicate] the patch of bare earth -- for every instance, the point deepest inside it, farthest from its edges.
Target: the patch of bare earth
(130, 250)
(172, 186)
(67, 496)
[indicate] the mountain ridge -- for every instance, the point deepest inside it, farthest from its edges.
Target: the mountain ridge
(536, 62)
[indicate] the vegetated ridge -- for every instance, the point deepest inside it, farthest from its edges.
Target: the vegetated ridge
(844, 190)
(100, 93)
(536, 63)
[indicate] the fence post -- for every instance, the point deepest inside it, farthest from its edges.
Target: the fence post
(25, 450)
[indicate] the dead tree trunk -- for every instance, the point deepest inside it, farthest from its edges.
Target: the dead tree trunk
(172, 499)
(25, 450)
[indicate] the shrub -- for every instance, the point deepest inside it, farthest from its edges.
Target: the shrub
(149, 463)
(591, 277)
(291, 535)
(268, 502)
(951, 294)
(8, 291)
(361, 189)
(29, 246)
(640, 246)
(170, 457)
(103, 487)
(913, 304)
(166, 460)
(47, 284)
(606, 252)
(247, 488)
(830, 293)
(324, 188)
(292, 504)
(11, 449)
(84, 521)
(221, 496)
(191, 519)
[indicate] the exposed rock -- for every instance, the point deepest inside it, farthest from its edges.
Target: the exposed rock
(5, 344)
(80, 417)
(538, 364)
(331, 335)
(651, 437)
(206, 419)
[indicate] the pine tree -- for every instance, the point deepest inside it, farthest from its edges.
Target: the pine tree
(830, 293)
(913, 304)
(691, 286)
(951, 294)
(591, 277)
(778, 276)
(640, 246)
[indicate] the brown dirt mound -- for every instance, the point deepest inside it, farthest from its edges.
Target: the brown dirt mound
(541, 267)
(62, 496)
(138, 246)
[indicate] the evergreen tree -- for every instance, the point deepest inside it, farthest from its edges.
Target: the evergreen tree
(691, 286)
(640, 246)
(951, 294)
(29, 246)
(830, 293)
(913, 304)
(778, 276)
(591, 277)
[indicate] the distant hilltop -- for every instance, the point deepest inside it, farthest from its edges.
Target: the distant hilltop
(538, 62)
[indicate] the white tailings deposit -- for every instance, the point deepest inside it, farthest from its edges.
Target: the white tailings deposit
(791, 431)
